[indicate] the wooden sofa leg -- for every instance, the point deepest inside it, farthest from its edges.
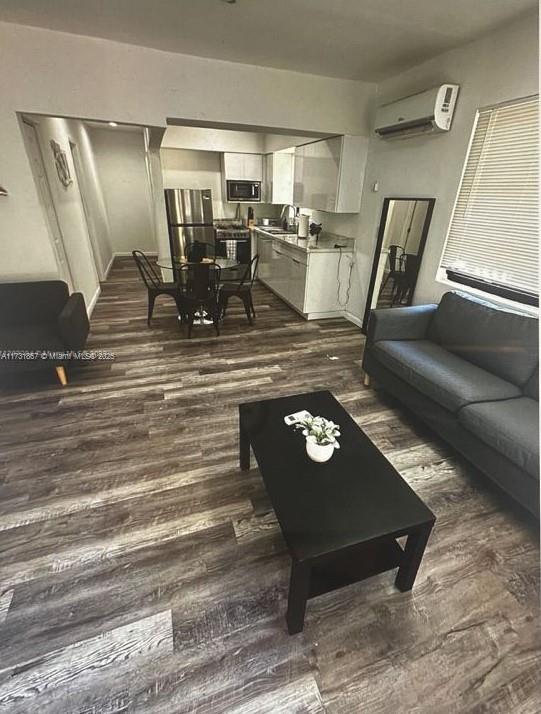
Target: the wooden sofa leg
(366, 380)
(61, 374)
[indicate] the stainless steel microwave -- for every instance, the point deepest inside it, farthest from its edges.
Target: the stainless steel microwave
(244, 191)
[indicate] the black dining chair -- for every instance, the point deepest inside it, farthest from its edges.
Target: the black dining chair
(395, 254)
(199, 285)
(154, 284)
(404, 280)
(241, 289)
(198, 250)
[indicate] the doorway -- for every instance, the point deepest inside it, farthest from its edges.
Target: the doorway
(47, 204)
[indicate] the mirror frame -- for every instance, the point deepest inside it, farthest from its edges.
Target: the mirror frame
(381, 232)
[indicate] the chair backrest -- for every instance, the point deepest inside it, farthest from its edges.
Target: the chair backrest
(393, 257)
(199, 281)
(199, 250)
(411, 265)
(251, 272)
(147, 270)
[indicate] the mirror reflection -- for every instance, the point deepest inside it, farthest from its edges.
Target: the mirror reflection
(401, 238)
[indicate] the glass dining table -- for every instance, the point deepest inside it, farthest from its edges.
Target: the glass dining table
(225, 264)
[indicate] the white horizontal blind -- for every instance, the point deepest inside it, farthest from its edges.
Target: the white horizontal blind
(493, 234)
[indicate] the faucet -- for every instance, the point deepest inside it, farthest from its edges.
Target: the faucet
(285, 221)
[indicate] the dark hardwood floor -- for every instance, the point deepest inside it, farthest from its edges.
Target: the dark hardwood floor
(141, 571)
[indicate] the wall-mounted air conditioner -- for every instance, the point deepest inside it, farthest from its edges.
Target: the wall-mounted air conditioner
(423, 113)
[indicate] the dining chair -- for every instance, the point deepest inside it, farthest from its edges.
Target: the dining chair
(199, 285)
(395, 254)
(154, 284)
(242, 290)
(198, 250)
(404, 280)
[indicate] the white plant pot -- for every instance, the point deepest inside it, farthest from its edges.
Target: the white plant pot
(319, 452)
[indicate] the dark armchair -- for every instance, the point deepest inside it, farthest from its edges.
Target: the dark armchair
(40, 319)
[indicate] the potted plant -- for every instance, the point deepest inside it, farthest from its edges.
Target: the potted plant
(321, 435)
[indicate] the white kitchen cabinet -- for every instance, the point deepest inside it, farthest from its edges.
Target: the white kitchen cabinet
(314, 283)
(264, 250)
(242, 167)
(328, 174)
(279, 177)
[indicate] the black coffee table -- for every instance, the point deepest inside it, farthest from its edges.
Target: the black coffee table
(340, 519)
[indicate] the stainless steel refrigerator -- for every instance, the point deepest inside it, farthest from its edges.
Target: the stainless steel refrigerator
(189, 216)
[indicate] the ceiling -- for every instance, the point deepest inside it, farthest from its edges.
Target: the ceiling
(354, 39)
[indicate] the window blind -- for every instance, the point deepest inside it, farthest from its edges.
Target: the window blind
(493, 234)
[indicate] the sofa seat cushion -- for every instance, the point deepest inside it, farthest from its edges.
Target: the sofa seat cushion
(511, 427)
(440, 375)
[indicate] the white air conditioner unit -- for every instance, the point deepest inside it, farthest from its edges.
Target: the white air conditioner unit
(423, 113)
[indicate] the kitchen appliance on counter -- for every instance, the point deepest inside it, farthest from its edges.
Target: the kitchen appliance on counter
(233, 240)
(246, 191)
(190, 224)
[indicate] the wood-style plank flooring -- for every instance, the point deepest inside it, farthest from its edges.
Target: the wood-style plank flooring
(141, 571)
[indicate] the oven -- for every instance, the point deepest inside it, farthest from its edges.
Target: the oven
(244, 191)
(234, 242)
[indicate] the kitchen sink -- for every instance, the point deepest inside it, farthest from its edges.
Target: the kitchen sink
(276, 230)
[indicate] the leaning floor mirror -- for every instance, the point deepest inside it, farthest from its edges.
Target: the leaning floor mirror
(399, 250)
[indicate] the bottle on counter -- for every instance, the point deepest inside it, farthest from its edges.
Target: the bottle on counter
(251, 218)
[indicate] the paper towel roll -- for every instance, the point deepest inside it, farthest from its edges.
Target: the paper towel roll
(304, 222)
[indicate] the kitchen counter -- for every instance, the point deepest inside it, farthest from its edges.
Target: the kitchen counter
(325, 244)
(312, 277)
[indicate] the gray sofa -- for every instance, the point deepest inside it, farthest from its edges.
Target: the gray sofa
(469, 369)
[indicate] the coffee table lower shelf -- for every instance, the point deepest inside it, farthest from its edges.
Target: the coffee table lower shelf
(348, 567)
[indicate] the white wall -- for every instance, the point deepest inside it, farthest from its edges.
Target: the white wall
(68, 205)
(202, 169)
(496, 68)
(59, 74)
(193, 137)
(121, 164)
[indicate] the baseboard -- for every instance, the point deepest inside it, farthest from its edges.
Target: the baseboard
(353, 318)
(109, 266)
(93, 302)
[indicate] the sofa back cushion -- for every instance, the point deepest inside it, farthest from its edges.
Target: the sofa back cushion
(34, 302)
(498, 340)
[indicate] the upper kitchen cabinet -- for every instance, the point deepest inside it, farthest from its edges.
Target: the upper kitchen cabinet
(242, 167)
(329, 174)
(279, 177)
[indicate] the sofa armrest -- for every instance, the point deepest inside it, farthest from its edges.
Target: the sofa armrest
(73, 324)
(400, 323)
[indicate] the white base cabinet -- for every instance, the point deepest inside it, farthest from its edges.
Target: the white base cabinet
(315, 284)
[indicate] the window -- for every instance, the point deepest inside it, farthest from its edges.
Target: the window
(492, 243)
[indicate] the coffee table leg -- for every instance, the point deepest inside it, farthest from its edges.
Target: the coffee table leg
(413, 554)
(244, 450)
(299, 588)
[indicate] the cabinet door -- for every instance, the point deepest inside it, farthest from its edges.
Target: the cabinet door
(321, 169)
(268, 179)
(322, 282)
(282, 178)
(252, 167)
(299, 194)
(280, 269)
(297, 283)
(264, 249)
(233, 166)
